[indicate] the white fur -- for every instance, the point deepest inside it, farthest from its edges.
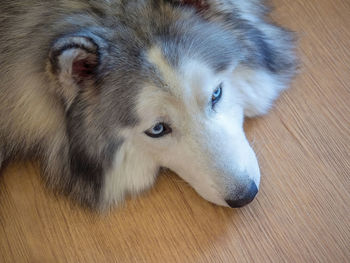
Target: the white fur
(132, 172)
(258, 90)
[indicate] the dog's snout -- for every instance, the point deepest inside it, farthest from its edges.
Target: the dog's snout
(245, 197)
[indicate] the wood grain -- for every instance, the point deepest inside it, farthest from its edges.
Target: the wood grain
(301, 214)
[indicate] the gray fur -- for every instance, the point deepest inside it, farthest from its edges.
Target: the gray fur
(74, 132)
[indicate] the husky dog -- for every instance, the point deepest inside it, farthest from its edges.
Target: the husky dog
(105, 93)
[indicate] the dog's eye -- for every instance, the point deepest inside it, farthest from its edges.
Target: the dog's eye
(158, 130)
(216, 96)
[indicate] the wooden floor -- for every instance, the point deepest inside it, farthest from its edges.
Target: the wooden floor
(302, 213)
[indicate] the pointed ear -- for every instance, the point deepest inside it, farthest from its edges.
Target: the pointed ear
(73, 62)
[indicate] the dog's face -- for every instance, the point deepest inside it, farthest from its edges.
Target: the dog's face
(193, 126)
(171, 94)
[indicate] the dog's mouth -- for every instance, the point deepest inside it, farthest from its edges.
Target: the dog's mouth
(242, 195)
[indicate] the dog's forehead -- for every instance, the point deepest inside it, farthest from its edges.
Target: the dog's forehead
(190, 77)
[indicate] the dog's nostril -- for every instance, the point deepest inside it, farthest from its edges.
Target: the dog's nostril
(245, 199)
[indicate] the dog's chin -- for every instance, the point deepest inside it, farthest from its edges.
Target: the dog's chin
(219, 202)
(212, 197)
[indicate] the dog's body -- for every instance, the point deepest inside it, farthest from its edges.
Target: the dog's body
(105, 93)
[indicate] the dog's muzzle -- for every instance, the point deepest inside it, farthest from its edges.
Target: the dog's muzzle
(245, 197)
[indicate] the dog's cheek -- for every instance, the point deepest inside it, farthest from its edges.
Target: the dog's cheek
(132, 171)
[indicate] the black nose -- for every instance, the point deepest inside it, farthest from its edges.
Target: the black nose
(245, 197)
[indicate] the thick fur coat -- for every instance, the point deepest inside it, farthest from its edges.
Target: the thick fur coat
(87, 87)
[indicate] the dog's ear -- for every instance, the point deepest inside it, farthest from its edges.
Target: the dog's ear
(74, 62)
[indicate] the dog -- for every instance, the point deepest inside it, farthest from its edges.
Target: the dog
(106, 93)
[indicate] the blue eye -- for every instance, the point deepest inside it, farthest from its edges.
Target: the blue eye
(158, 130)
(216, 96)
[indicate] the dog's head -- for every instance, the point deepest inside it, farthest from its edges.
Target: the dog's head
(168, 90)
(194, 121)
